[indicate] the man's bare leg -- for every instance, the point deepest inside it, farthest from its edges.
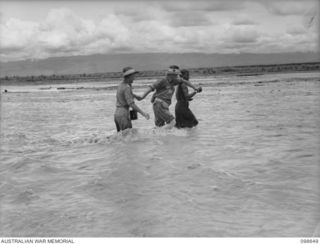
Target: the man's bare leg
(170, 125)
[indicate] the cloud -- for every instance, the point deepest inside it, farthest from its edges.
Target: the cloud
(296, 30)
(140, 11)
(184, 26)
(189, 18)
(244, 21)
(286, 8)
(238, 34)
(13, 30)
(209, 6)
(245, 36)
(62, 33)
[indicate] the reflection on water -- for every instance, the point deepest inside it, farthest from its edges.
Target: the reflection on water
(249, 169)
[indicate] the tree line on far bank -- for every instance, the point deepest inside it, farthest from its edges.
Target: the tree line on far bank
(151, 74)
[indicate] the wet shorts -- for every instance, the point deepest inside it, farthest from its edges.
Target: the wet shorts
(161, 113)
(122, 119)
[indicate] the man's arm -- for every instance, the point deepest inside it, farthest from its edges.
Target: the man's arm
(186, 94)
(136, 108)
(150, 89)
(188, 83)
(129, 96)
(156, 85)
(191, 95)
(139, 98)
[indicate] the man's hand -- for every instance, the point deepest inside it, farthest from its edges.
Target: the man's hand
(199, 89)
(139, 98)
(146, 115)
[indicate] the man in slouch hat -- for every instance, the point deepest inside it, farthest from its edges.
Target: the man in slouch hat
(125, 100)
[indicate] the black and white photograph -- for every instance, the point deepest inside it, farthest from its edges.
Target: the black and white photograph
(159, 119)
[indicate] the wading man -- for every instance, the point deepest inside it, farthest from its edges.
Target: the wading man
(163, 92)
(125, 100)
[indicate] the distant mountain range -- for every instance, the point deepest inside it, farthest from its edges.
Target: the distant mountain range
(100, 63)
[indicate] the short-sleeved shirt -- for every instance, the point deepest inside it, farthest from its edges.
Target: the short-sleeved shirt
(124, 95)
(165, 89)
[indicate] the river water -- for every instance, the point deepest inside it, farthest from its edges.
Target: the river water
(250, 168)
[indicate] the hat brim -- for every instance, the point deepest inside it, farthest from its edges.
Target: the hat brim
(173, 73)
(130, 72)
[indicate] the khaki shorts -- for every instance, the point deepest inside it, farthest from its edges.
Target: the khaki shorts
(122, 119)
(161, 113)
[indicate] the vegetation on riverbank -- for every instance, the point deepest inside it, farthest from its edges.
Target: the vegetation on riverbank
(151, 74)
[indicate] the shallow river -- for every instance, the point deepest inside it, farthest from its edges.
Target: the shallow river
(250, 168)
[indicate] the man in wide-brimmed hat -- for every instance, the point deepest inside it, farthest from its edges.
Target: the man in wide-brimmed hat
(125, 100)
(164, 90)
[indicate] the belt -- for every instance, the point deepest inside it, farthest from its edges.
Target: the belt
(160, 101)
(125, 107)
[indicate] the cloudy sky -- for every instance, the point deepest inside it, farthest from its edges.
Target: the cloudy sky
(41, 29)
